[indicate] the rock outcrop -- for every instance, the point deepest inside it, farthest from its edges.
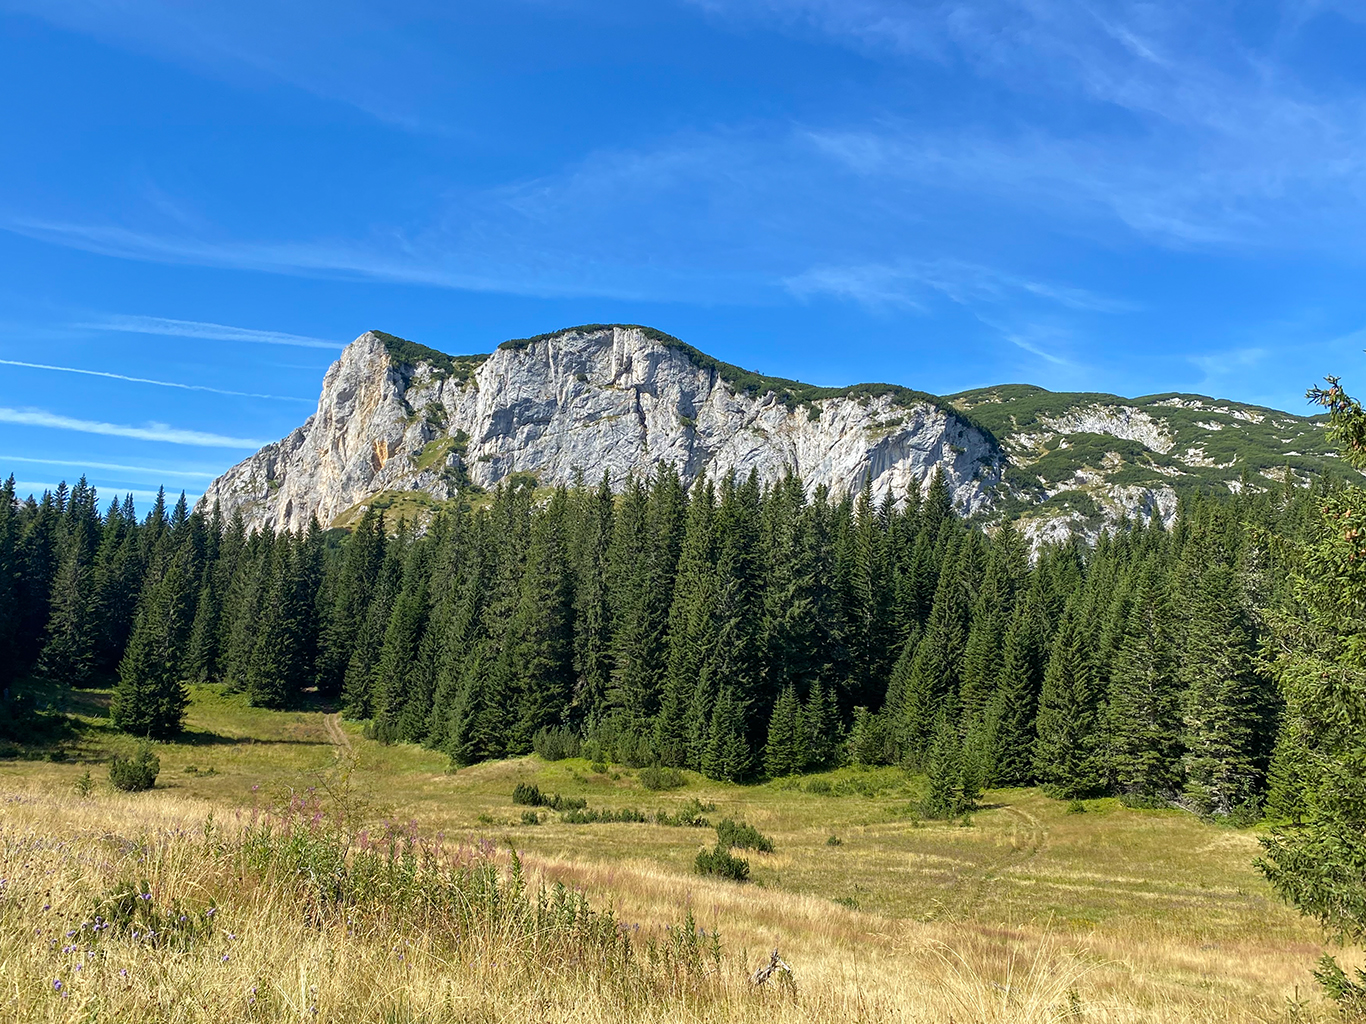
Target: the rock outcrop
(620, 400)
(407, 427)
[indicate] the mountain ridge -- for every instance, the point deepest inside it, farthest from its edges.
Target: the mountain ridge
(403, 423)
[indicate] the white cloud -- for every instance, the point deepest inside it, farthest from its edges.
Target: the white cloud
(148, 380)
(206, 331)
(150, 432)
(906, 282)
(151, 472)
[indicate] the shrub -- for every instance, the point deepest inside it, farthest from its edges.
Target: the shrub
(820, 787)
(834, 841)
(530, 818)
(531, 796)
(556, 744)
(579, 816)
(85, 785)
(136, 773)
(688, 816)
(599, 767)
(661, 778)
(731, 834)
(1143, 801)
(1076, 807)
(722, 863)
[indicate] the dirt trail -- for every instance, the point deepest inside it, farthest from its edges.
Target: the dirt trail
(336, 733)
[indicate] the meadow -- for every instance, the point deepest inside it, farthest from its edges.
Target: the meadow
(350, 880)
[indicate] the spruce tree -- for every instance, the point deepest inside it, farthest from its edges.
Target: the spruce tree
(1228, 712)
(727, 754)
(1067, 754)
(1315, 860)
(540, 636)
(786, 750)
(150, 699)
(821, 718)
(1015, 705)
(1145, 696)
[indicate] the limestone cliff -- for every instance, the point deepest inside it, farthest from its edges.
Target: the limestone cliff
(396, 417)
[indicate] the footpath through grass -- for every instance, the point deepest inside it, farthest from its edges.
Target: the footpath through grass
(1116, 913)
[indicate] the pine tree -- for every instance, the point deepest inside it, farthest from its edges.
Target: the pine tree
(150, 699)
(728, 754)
(540, 635)
(1227, 707)
(1315, 862)
(1145, 696)
(954, 784)
(821, 717)
(786, 750)
(1066, 754)
(1015, 705)
(685, 706)
(69, 654)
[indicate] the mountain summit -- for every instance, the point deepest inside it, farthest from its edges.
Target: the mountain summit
(404, 426)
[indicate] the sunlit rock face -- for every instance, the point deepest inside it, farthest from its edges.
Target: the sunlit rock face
(613, 400)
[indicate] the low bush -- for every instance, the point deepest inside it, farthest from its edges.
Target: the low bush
(688, 816)
(657, 778)
(722, 863)
(531, 796)
(530, 818)
(137, 773)
(557, 743)
(594, 817)
(732, 834)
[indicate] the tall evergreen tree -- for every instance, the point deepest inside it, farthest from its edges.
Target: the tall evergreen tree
(786, 750)
(150, 699)
(1145, 695)
(1067, 754)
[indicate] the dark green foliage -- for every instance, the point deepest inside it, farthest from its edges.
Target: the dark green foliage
(720, 862)
(581, 816)
(786, 750)
(150, 699)
(731, 834)
(555, 744)
(661, 778)
(1145, 695)
(532, 796)
(1068, 752)
(734, 630)
(954, 775)
(136, 773)
(404, 353)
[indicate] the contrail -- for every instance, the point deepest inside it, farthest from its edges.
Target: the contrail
(213, 332)
(151, 471)
(158, 383)
(151, 432)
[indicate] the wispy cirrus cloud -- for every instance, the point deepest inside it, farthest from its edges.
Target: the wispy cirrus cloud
(148, 472)
(149, 380)
(205, 331)
(908, 282)
(150, 432)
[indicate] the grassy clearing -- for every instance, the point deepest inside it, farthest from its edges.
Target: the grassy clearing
(1027, 914)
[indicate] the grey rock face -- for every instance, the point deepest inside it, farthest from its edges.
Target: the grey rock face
(604, 400)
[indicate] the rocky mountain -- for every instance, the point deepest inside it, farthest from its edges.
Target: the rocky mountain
(405, 427)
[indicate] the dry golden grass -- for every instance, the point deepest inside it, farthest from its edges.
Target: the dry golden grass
(1031, 914)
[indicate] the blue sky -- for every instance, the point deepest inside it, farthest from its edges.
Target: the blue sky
(1124, 197)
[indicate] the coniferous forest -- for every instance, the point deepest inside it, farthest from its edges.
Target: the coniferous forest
(733, 629)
